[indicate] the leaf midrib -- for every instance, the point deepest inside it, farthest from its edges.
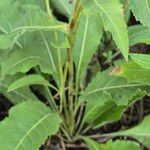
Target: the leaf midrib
(22, 60)
(111, 23)
(147, 6)
(83, 46)
(30, 130)
(114, 87)
(15, 91)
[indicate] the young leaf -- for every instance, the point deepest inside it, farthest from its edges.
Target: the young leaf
(116, 145)
(26, 122)
(88, 35)
(139, 34)
(140, 132)
(112, 15)
(135, 73)
(105, 86)
(65, 7)
(28, 80)
(141, 59)
(141, 10)
(15, 96)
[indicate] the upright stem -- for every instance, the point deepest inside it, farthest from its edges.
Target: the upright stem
(71, 69)
(70, 88)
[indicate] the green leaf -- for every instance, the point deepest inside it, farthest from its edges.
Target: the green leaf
(110, 145)
(109, 112)
(138, 34)
(38, 3)
(100, 115)
(140, 132)
(13, 27)
(120, 145)
(141, 59)
(92, 145)
(105, 86)
(49, 46)
(20, 61)
(135, 73)
(112, 15)
(28, 80)
(65, 7)
(88, 35)
(141, 10)
(26, 122)
(15, 96)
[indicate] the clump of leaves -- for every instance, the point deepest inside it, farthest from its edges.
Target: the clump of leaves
(40, 52)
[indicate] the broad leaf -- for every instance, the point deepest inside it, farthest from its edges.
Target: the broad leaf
(116, 145)
(99, 115)
(26, 122)
(28, 80)
(140, 132)
(142, 59)
(16, 96)
(139, 34)
(20, 61)
(88, 35)
(19, 20)
(109, 112)
(49, 46)
(135, 73)
(141, 10)
(65, 7)
(105, 86)
(112, 15)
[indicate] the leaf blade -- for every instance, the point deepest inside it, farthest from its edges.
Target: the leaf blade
(28, 80)
(112, 15)
(36, 120)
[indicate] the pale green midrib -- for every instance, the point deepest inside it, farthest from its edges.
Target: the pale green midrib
(66, 8)
(111, 23)
(18, 62)
(83, 46)
(30, 130)
(114, 87)
(147, 6)
(49, 51)
(35, 80)
(15, 91)
(23, 28)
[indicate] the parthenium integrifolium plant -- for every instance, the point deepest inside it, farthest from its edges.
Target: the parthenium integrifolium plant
(52, 57)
